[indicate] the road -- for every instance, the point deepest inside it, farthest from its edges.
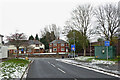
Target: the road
(50, 68)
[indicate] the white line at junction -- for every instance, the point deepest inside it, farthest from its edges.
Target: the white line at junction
(53, 65)
(61, 70)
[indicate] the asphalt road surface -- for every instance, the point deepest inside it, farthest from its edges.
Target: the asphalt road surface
(49, 69)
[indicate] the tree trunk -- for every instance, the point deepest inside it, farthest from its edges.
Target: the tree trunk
(17, 52)
(84, 51)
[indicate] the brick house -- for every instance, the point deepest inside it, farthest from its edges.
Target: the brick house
(58, 45)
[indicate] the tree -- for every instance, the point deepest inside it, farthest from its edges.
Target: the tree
(78, 40)
(31, 37)
(16, 39)
(108, 20)
(36, 37)
(49, 34)
(80, 21)
(100, 39)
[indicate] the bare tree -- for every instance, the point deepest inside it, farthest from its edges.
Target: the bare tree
(53, 28)
(50, 33)
(81, 18)
(16, 39)
(108, 21)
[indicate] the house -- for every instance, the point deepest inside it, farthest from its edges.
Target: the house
(58, 46)
(1, 39)
(3, 49)
(36, 46)
(33, 46)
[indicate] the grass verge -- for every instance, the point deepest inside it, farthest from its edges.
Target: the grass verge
(13, 68)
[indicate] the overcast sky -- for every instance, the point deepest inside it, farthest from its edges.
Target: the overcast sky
(30, 16)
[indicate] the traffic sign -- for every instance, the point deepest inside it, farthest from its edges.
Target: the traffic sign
(72, 47)
(107, 43)
(21, 49)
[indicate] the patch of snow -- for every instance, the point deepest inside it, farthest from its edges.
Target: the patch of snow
(11, 70)
(102, 62)
(82, 58)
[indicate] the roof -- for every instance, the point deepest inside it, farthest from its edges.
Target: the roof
(30, 42)
(58, 41)
(34, 42)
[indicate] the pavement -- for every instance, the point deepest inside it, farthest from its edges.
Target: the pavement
(52, 69)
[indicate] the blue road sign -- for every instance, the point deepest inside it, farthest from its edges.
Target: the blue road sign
(72, 47)
(107, 43)
(21, 49)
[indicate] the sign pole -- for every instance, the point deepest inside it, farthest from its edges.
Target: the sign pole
(107, 53)
(107, 44)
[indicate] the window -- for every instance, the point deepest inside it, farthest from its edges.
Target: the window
(62, 49)
(62, 44)
(54, 49)
(54, 44)
(37, 45)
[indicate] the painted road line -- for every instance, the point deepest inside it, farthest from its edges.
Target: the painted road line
(61, 70)
(48, 62)
(53, 65)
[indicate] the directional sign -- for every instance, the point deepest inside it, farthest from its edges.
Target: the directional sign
(107, 43)
(72, 47)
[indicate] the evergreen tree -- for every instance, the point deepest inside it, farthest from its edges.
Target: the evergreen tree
(36, 37)
(31, 37)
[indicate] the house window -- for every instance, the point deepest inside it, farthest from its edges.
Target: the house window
(62, 45)
(54, 49)
(62, 49)
(37, 45)
(54, 44)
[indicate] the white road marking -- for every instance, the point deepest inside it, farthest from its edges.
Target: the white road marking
(53, 65)
(61, 70)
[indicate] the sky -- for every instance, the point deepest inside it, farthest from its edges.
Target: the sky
(31, 16)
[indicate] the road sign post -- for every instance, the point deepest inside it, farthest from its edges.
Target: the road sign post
(107, 43)
(73, 49)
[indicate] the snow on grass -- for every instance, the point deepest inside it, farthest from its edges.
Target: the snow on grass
(102, 62)
(82, 58)
(93, 61)
(13, 68)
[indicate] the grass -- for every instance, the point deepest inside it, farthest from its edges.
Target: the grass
(116, 59)
(17, 61)
(11, 66)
